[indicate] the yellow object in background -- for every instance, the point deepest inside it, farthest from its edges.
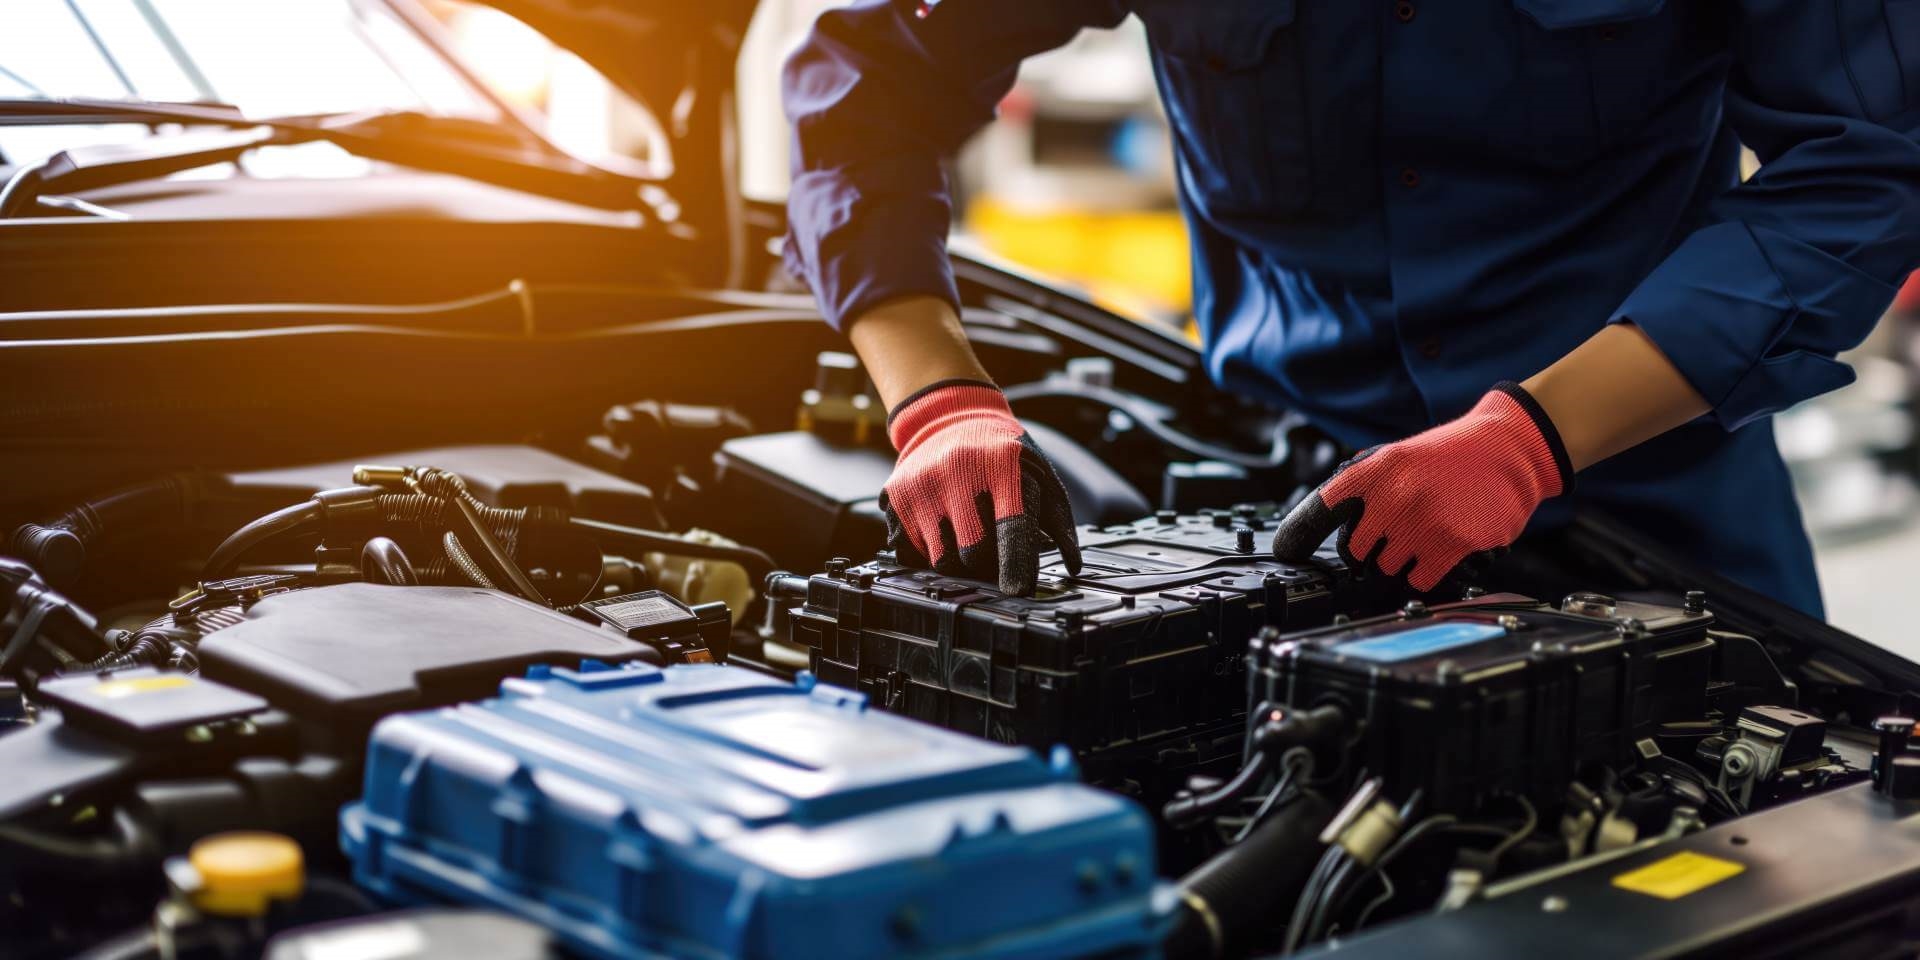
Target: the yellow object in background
(1677, 876)
(1133, 262)
(242, 873)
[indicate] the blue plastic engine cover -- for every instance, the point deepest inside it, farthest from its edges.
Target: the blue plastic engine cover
(706, 811)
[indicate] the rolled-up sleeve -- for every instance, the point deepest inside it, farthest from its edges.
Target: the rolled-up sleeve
(879, 94)
(1801, 260)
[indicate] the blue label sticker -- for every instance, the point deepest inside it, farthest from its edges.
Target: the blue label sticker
(1420, 641)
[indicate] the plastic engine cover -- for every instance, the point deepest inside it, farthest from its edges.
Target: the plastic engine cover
(704, 811)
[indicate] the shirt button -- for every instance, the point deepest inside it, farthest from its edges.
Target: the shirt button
(1409, 177)
(1403, 11)
(1430, 349)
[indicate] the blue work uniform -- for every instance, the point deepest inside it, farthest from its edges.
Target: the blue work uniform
(1395, 204)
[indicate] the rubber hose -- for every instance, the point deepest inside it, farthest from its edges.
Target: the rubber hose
(227, 556)
(58, 547)
(382, 561)
(129, 849)
(786, 586)
(144, 650)
(1224, 901)
(1188, 810)
(1282, 730)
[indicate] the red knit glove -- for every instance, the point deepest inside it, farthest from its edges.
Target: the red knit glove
(971, 494)
(1417, 509)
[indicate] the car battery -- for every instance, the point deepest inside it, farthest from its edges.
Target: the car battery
(1501, 694)
(1146, 641)
(707, 811)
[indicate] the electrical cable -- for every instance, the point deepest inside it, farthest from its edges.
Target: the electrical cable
(1438, 821)
(495, 558)
(457, 555)
(1318, 918)
(1526, 830)
(1303, 907)
(1295, 763)
(1386, 894)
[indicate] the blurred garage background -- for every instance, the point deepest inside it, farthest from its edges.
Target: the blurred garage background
(1075, 183)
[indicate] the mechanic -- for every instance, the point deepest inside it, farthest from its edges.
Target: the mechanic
(1398, 208)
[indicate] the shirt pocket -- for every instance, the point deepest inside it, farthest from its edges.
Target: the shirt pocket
(1232, 74)
(1590, 72)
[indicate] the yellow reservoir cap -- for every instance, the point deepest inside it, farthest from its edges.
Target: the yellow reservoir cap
(242, 872)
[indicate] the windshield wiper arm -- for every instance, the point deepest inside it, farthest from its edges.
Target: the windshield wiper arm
(456, 146)
(88, 168)
(66, 110)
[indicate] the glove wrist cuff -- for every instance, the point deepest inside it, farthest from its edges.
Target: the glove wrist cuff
(1561, 480)
(942, 399)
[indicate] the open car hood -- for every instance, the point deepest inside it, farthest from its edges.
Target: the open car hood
(677, 59)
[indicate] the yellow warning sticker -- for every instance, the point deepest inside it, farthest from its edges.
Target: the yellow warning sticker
(115, 689)
(1679, 875)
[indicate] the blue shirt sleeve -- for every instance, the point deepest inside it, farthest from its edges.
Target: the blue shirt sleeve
(879, 94)
(1799, 262)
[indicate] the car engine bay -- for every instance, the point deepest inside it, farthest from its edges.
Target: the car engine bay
(650, 685)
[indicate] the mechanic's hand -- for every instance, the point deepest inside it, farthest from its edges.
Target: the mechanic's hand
(1420, 508)
(971, 495)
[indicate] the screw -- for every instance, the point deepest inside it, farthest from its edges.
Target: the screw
(1414, 608)
(1696, 601)
(1554, 903)
(1243, 539)
(1509, 622)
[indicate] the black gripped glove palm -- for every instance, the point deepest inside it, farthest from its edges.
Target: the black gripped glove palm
(1438, 504)
(970, 494)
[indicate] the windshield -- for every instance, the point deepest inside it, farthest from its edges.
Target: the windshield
(267, 58)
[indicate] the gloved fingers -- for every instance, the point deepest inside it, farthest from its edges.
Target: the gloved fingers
(1019, 570)
(947, 558)
(1471, 569)
(1307, 526)
(1048, 504)
(984, 556)
(1397, 559)
(1328, 508)
(1360, 543)
(909, 548)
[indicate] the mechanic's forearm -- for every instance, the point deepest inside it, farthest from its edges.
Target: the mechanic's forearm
(908, 343)
(1615, 391)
